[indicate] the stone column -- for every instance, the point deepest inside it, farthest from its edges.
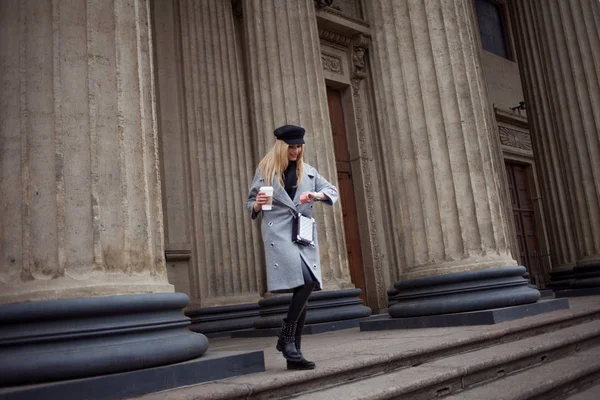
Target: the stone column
(204, 110)
(547, 145)
(559, 55)
(81, 234)
(287, 86)
(433, 112)
(443, 168)
(558, 43)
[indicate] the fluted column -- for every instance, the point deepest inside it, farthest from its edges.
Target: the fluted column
(287, 86)
(204, 110)
(547, 148)
(558, 44)
(83, 283)
(81, 210)
(442, 174)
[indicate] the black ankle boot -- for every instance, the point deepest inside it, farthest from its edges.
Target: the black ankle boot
(303, 363)
(286, 343)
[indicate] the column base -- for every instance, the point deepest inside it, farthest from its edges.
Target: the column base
(462, 292)
(483, 317)
(327, 310)
(581, 280)
(223, 320)
(212, 366)
(57, 340)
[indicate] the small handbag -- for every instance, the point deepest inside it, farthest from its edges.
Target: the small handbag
(303, 230)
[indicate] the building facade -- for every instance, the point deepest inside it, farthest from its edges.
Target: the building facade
(417, 108)
(462, 134)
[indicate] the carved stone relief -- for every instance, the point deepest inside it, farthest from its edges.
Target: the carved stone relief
(360, 45)
(334, 38)
(332, 63)
(514, 138)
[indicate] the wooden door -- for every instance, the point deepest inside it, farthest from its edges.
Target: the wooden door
(346, 189)
(525, 225)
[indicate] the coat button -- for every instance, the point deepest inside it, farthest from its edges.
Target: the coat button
(273, 245)
(270, 223)
(276, 265)
(312, 245)
(315, 266)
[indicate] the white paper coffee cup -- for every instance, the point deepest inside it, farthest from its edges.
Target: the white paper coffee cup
(268, 190)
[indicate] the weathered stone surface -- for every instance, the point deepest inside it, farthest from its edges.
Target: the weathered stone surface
(550, 379)
(442, 162)
(206, 140)
(558, 45)
(80, 182)
(592, 393)
(83, 283)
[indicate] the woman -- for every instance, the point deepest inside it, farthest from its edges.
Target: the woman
(291, 267)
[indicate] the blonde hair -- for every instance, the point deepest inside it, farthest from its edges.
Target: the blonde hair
(276, 161)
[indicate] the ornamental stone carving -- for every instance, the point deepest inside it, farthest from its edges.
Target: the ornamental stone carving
(514, 138)
(335, 38)
(365, 167)
(360, 45)
(332, 64)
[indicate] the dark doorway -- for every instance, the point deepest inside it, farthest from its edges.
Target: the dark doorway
(525, 223)
(346, 188)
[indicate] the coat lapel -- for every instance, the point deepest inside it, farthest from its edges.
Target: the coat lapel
(281, 196)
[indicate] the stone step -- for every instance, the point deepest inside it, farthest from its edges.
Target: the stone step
(367, 358)
(592, 393)
(452, 374)
(549, 381)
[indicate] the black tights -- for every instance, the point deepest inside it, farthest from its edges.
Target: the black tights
(301, 294)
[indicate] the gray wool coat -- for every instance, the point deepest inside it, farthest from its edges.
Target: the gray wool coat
(284, 258)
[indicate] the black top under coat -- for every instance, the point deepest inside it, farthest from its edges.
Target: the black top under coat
(290, 179)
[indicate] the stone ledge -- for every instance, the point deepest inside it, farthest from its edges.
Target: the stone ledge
(483, 317)
(210, 367)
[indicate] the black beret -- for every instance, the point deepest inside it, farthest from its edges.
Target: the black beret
(291, 134)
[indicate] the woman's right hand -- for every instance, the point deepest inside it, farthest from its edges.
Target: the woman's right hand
(261, 198)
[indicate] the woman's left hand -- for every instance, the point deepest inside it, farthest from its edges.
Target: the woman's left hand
(307, 197)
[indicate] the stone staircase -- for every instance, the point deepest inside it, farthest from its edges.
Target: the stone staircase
(550, 365)
(551, 356)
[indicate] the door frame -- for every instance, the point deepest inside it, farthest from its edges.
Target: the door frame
(349, 115)
(536, 203)
(344, 68)
(523, 155)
